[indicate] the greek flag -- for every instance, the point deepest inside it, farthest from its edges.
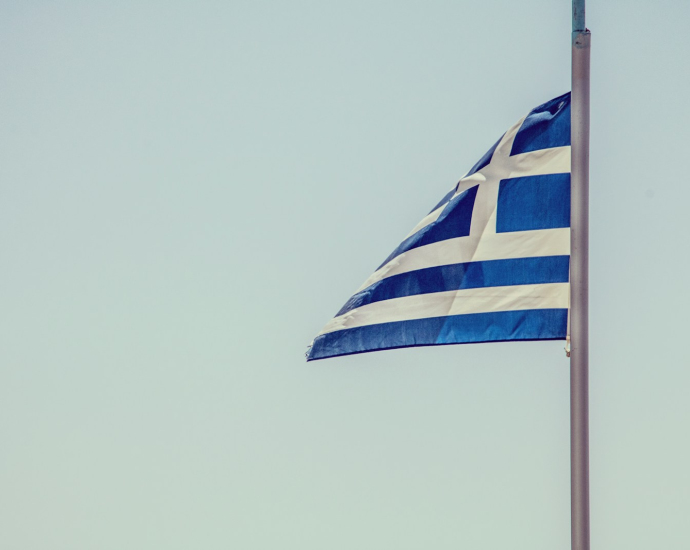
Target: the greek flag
(489, 263)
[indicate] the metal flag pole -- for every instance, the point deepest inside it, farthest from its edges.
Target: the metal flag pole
(579, 283)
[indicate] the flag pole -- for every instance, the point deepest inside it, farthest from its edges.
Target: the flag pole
(579, 283)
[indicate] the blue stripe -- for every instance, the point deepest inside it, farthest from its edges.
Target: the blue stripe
(534, 324)
(546, 126)
(518, 271)
(453, 222)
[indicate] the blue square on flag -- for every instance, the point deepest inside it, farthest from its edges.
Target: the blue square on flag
(533, 202)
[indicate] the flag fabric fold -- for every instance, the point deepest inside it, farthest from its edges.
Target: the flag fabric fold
(489, 263)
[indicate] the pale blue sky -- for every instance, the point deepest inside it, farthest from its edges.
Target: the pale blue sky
(190, 190)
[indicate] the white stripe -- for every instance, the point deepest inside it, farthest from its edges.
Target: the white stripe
(539, 163)
(496, 246)
(454, 302)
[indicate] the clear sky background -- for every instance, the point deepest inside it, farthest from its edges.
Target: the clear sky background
(190, 190)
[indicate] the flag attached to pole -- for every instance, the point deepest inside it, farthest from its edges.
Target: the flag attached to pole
(489, 263)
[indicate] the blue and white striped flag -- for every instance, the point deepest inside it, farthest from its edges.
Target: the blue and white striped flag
(490, 262)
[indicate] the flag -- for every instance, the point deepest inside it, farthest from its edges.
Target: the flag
(489, 263)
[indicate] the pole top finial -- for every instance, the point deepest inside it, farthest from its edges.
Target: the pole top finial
(578, 15)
